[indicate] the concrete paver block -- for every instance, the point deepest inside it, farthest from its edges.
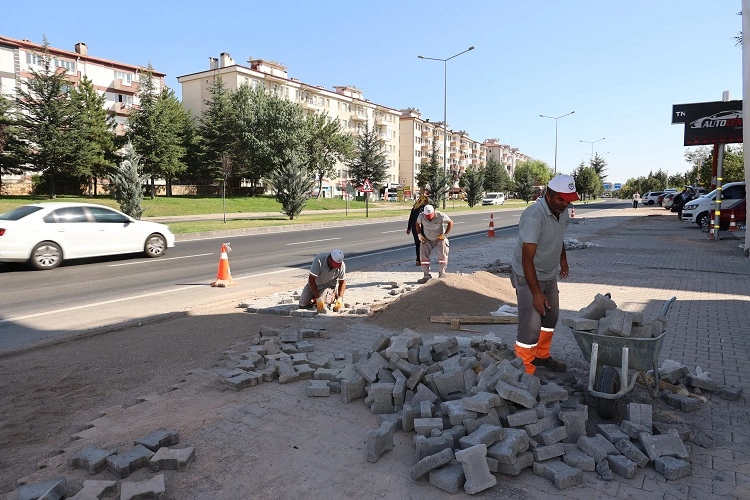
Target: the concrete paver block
(95, 489)
(426, 446)
(664, 445)
(92, 458)
(553, 435)
(575, 423)
(700, 383)
(551, 392)
(476, 469)
(152, 488)
(522, 417)
(580, 323)
(123, 464)
(379, 441)
(612, 432)
(172, 459)
(352, 389)
(684, 431)
(523, 460)
(575, 457)
(559, 473)
(431, 463)
(486, 434)
(449, 478)
(634, 430)
(605, 473)
(597, 447)
(424, 426)
(481, 402)
(598, 308)
(515, 394)
(672, 468)
(369, 368)
(542, 453)
(641, 414)
(456, 412)
(682, 402)
(449, 383)
(631, 451)
(54, 489)
(622, 466)
(730, 393)
(541, 425)
(505, 450)
(159, 438)
(616, 323)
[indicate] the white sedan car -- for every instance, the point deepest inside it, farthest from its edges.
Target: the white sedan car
(43, 234)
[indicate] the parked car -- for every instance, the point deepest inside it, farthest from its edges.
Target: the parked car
(651, 197)
(493, 199)
(700, 209)
(668, 200)
(45, 234)
(392, 197)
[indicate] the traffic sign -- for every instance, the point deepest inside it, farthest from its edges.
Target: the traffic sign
(618, 185)
(366, 186)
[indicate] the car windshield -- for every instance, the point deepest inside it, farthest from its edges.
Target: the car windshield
(20, 212)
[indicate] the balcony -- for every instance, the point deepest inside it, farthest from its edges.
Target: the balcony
(454, 155)
(426, 133)
(454, 144)
(381, 120)
(118, 84)
(121, 108)
(425, 160)
(358, 118)
(309, 104)
(425, 147)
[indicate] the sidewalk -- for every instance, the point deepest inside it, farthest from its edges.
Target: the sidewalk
(273, 441)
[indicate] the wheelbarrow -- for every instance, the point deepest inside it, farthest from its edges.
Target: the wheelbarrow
(605, 354)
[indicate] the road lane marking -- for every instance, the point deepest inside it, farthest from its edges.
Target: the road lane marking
(311, 241)
(159, 259)
(134, 297)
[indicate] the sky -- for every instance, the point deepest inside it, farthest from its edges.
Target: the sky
(620, 65)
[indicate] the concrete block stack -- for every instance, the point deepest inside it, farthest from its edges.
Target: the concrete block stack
(603, 317)
(157, 451)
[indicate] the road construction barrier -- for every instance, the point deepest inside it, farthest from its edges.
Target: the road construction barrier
(732, 222)
(491, 232)
(224, 276)
(572, 212)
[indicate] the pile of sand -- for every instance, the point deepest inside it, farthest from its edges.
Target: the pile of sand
(475, 294)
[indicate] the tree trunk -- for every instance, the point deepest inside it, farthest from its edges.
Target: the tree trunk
(153, 187)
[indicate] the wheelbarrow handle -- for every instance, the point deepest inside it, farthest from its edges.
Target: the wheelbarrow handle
(665, 309)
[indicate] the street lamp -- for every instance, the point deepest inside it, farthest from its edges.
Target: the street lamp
(445, 107)
(592, 144)
(556, 118)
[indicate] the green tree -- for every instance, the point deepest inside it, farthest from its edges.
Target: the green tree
(157, 130)
(433, 175)
(587, 181)
(599, 165)
(96, 154)
(472, 183)
(496, 176)
(216, 133)
(127, 184)
(11, 149)
(327, 144)
(49, 122)
(292, 182)
(539, 172)
(368, 161)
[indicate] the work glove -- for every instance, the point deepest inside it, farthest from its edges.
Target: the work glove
(422, 238)
(337, 305)
(441, 237)
(320, 304)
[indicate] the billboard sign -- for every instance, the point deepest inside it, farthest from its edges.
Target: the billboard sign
(718, 122)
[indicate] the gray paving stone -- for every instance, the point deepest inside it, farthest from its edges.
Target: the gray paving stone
(672, 468)
(597, 447)
(123, 464)
(664, 445)
(505, 450)
(622, 466)
(430, 463)
(575, 457)
(612, 432)
(152, 488)
(641, 414)
(682, 402)
(54, 489)
(542, 453)
(95, 489)
(92, 458)
(631, 451)
(525, 459)
(426, 446)
(561, 474)
(486, 434)
(172, 459)
(522, 417)
(379, 441)
(449, 478)
(476, 469)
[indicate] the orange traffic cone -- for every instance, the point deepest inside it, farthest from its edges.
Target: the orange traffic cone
(732, 222)
(491, 232)
(572, 212)
(711, 231)
(224, 278)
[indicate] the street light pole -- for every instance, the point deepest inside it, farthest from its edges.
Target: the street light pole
(445, 107)
(556, 118)
(592, 145)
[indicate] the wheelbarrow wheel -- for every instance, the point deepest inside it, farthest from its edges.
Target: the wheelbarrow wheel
(608, 382)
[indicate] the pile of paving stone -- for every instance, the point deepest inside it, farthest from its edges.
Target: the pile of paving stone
(152, 451)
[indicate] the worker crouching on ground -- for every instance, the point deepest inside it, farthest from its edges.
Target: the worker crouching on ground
(538, 259)
(326, 282)
(432, 234)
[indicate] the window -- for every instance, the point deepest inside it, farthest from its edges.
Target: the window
(127, 78)
(32, 58)
(127, 100)
(70, 66)
(105, 215)
(69, 214)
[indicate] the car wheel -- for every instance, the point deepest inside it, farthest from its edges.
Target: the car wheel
(703, 220)
(46, 255)
(650, 202)
(155, 245)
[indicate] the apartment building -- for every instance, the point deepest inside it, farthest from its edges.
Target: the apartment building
(508, 156)
(345, 103)
(117, 81)
(418, 136)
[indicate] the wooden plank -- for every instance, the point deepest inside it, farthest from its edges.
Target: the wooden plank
(476, 320)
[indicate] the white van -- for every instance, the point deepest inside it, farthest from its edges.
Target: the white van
(493, 199)
(703, 208)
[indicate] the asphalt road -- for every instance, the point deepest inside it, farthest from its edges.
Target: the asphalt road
(111, 292)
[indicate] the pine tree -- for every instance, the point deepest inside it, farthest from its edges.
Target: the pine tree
(326, 145)
(368, 162)
(11, 149)
(127, 184)
(292, 184)
(472, 182)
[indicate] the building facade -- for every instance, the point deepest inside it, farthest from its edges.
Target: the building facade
(508, 156)
(345, 103)
(419, 136)
(117, 82)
